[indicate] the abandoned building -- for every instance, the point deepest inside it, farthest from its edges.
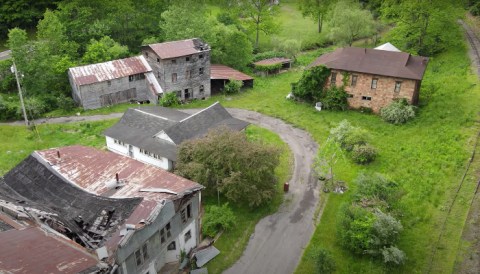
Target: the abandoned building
(375, 77)
(272, 65)
(94, 211)
(221, 75)
(181, 66)
(113, 82)
(151, 134)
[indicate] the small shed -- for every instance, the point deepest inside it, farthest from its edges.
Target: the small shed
(272, 65)
(221, 74)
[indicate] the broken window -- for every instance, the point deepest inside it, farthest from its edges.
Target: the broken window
(202, 89)
(158, 60)
(138, 257)
(165, 233)
(171, 246)
(200, 56)
(186, 213)
(187, 94)
(398, 85)
(174, 77)
(200, 71)
(333, 79)
(354, 80)
(188, 236)
(374, 83)
(187, 58)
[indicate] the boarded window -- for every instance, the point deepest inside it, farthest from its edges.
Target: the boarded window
(398, 85)
(374, 83)
(354, 80)
(174, 77)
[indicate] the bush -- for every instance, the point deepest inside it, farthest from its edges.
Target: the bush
(475, 9)
(8, 109)
(268, 68)
(268, 55)
(335, 99)
(393, 256)
(233, 86)
(363, 154)
(65, 102)
(398, 112)
(376, 186)
(310, 86)
(169, 99)
(217, 218)
(357, 136)
(324, 261)
(34, 107)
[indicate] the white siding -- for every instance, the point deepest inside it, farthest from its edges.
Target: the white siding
(192, 242)
(117, 148)
(161, 163)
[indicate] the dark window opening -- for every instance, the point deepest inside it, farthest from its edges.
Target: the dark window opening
(187, 58)
(187, 93)
(366, 98)
(189, 211)
(136, 77)
(138, 257)
(200, 71)
(174, 61)
(188, 236)
(171, 246)
(349, 95)
(158, 60)
(109, 83)
(200, 56)
(201, 89)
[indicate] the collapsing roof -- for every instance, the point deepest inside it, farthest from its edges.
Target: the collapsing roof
(376, 62)
(158, 130)
(222, 72)
(100, 72)
(180, 48)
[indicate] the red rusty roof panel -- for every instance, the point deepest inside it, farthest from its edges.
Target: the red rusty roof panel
(32, 250)
(180, 48)
(94, 73)
(221, 72)
(273, 61)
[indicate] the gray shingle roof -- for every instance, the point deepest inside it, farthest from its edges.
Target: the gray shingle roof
(373, 61)
(139, 127)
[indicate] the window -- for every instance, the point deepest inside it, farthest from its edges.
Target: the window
(109, 83)
(171, 246)
(200, 71)
(118, 142)
(158, 75)
(349, 95)
(186, 213)
(333, 78)
(158, 60)
(374, 83)
(189, 211)
(187, 93)
(165, 233)
(141, 255)
(174, 61)
(174, 77)
(188, 236)
(187, 58)
(354, 80)
(398, 85)
(366, 98)
(188, 73)
(201, 89)
(136, 77)
(179, 93)
(200, 56)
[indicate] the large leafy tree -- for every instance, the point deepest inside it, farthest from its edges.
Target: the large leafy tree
(105, 49)
(350, 22)
(231, 47)
(225, 161)
(315, 9)
(258, 15)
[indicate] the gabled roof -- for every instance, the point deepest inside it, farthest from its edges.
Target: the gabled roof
(376, 62)
(198, 124)
(388, 47)
(33, 250)
(142, 126)
(100, 72)
(223, 72)
(179, 48)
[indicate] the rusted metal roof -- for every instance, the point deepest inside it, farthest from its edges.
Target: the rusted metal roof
(222, 72)
(376, 62)
(95, 73)
(273, 61)
(180, 48)
(32, 250)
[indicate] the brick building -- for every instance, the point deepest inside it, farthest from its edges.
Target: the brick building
(375, 76)
(181, 66)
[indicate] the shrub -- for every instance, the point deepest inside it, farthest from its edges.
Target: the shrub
(398, 112)
(217, 218)
(335, 99)
(376, 186)
(340, 133)
(357, 136)
(34, 107)
(268, 68)
(169, 99)
(393, 256)
(233, 86)
(65, 102)
(363, 154)
(310, 86)
(356, 229)
(324, 261)
(267, 55)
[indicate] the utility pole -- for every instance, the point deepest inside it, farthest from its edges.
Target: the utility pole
(14, 70)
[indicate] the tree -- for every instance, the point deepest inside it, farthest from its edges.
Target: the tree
(324, 261)
(350, 22)
(315, 9)
(326, 162)
(105, 49)
(231, 47)
(225, 162)
(259, 17)
(311, 86)
(217, 218)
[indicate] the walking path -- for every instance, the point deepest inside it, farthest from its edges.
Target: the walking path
(277, 243)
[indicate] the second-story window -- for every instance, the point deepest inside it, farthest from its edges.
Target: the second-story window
(200, 56)
(374, 83)
(333, 79)
(354, 80)
(165, 233)
(186, 213)
(141, 255)
(187, 58)
(158, 60)
(174, 61)
(200, 71)
(174, 77)
(398, 86)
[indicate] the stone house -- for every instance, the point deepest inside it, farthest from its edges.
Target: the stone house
(181, 66)
(151, 134)
(113, 82)
(373, 78)
(124, 216)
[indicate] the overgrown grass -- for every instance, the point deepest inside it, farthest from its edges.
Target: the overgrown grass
(232, 242)
(17, 142)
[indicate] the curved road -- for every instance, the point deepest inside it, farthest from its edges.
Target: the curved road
(277, 243)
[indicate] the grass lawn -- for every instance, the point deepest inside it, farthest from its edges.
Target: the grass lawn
(426, 156)
(232, 242)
